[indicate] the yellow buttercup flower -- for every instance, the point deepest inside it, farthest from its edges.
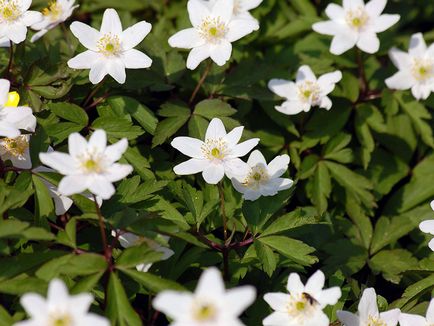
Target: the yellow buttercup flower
(13, 99)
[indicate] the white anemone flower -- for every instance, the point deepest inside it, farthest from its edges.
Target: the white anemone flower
(128, 239)
(368, 314)
(89, 165)
(214, 29)
(428, 227)
(16, 150)
(110, 50)
(218, 155)
(304, 304)
(306, 91)
(416, 320)
(263, 179)
(15, 18)
(416, 68)
(60, 308)
(13, 117)
(56, 13)
(356, 24)
(241, 9)
(210, 305)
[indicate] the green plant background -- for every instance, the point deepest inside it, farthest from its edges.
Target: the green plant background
(364, 170)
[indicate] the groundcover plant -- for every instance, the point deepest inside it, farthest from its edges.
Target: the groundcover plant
(216, 162)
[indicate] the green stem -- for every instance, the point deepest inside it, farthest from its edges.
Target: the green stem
(200, 83)
(226, 246)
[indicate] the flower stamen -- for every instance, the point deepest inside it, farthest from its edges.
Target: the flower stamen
(16, 146)
(375, 321)
(423, 69)
(212, 30)
(109, 45)
(257, 176)
(204, 312)
(9, 10)
(214, 149)
(309, 91)
(357, 18)
(53, 11)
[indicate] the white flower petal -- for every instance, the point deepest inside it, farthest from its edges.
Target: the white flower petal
(352, 4)
(417, 45)
(431, 244)
(61, 162)
(256, 158)
(98, 141)
(117, 172)
(238, 299)
(134, 59)
(213, 173)
(88, 36)
(135, 34)
(343, 42)
(186, 39)
(20, 117)
(277, 319)
(238, 28)
(25, 4)
(305, 73)
(430, 312)
(215, 130)
(326, 103)
(283, 88)
(368, 42)
(111, 23)
(197, 11)
(4, 90)
(329, 296)
(94, 320)
(401, 80)
(236, 168)
(250, 4)
(32, 17)
(188, 146)
(100, 186)
(368, 304)
(223, 9)
(221, 53)
(174, 304)
(327, 81)
(116, 69)
(61, 203)
(114, 152)
(34, 305)
(191, 166)
(72, 184)
(335, 12)
(374, 8)
(328, 28)
(245, 147)
(294, 285)
(57, 292)
(421, 91)
(384, 22)
(80, 303)
(400, 58)
(390, 317)
(348, 318)
(16, 33)
(292, 107)
(315, 283)
(412, 320)
(210, 283)
(38, 35)
(277, 301)
(234, 136)
(84, 60)
(77, 144)
(97, 72)
(427, 226)
(197, 55)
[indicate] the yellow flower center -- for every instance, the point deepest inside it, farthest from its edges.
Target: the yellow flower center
(9, 10)
(204, 312)
(309, 91)
(357, 18)
(109, 45)
(13, 99)
(258, 176)
(375, 321)
(16, 146)
(53, 11)
(423, 69)
(92, 166)
(301, 306)
(63, 320)
(214, 149)
(213, 30)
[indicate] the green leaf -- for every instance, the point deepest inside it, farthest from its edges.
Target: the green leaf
(266, 257)
(214, 108)
(152, 282)
(119, 309)
(117, 128)
(319, 187)
(299, 217)
(197, 126)
(69, 112)
(392, 263)
(168, 127)
(44, 207)
(133, 256)
(291, 248)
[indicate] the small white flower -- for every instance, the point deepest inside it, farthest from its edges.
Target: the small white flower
(89, 165)
(17, 151)
(416, 68)
(241, 9)
(57, 12)
(13, 118)
(110, 50)
(355, 24)
(128, 239)
(60, 308)
(428, 227)
(263, 179)
(416, 320)
(304, 303)
(307, 91)
(218, 155)
(213, 31)
(368, 314)
(210, 305)
(15, 18)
